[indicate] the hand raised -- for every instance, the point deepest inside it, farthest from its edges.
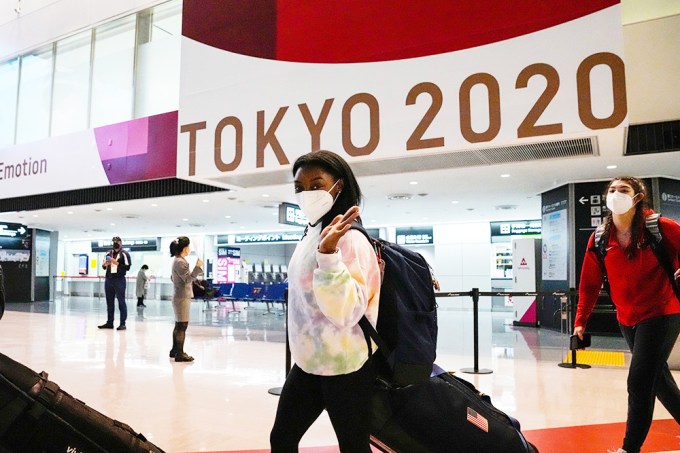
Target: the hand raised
(341, 224)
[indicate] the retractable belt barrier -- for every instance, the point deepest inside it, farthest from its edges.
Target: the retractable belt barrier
(566, 297)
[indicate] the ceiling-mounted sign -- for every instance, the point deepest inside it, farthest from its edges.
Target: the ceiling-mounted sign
(516, 228)
(415, 236)
(303, 84)
(263, 238)
(15, 242)
(259, 238)
(14, 236)
(291, 214)
(131, 245)
(228, 252)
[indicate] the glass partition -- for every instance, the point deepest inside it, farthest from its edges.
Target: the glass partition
(70, 102)
(35, 95)
(9, 84)
(158, 60)
(112, 72)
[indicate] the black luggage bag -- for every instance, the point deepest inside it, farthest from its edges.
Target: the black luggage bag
(37, 416)
(444, 414)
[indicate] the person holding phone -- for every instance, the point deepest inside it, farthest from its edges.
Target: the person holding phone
(333, 281)
(116, 263)
(182, 279)
(647, 307)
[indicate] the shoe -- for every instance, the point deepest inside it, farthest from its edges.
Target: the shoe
(183, 357)
(121, 327)
(173, 353)
(106, 326)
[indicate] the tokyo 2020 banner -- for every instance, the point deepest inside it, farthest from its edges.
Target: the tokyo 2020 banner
(266, 81)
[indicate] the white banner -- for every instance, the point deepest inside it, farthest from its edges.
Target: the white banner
(57, 164)
(244, 115)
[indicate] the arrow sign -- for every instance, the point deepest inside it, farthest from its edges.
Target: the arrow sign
(583, 200)
(21, 230)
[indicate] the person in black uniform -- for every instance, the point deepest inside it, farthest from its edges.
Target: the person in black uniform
(116, 263)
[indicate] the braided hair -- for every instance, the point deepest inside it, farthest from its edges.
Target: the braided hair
(637, 229)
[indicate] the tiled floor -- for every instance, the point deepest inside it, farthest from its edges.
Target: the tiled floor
(221, 402)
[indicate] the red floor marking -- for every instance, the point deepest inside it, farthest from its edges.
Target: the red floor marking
(663, 436)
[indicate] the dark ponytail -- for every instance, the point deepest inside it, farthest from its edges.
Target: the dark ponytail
(177, 245)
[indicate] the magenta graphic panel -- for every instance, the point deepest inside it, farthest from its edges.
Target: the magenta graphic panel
(140, 149)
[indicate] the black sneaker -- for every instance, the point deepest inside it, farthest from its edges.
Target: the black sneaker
(173, 353)
(106, 326)
(122, 327)
(183, 357)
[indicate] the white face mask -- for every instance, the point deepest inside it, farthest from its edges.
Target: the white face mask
(315, 203)
(619, 203)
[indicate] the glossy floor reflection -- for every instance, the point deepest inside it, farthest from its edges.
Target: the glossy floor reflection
(221, 401)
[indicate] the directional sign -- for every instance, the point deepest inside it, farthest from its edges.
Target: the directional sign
(583, 200)
(14, 236)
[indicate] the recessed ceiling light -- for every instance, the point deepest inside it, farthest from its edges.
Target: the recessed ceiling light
(155, 205)
(372, 220)
(400, 196)
(227, 217)
(35, 215)
(265, 195)
(206, 201)
(70, 212)
(611, 167)
(454, 202)
(505, 175)
(243, 228)
(113, 224)
(109, 209)
(184, 220)
(414, 183)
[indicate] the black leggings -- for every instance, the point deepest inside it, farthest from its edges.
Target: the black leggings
(651, 343)
(346, 397)
(178, 335)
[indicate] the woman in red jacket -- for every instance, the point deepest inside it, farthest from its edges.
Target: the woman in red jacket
(647, 307)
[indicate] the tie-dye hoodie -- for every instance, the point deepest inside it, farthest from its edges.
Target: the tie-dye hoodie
(328, 294)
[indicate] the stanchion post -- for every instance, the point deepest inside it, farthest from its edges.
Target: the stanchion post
(566, 308)
(277, 390)
(475, 322)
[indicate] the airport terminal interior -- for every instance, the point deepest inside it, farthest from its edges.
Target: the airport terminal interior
(221, 401)
(129, 119)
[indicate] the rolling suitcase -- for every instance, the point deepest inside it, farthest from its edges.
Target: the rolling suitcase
(444, 414)
(37, 416)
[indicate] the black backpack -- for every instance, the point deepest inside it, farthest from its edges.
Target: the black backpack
(406, 333)
(655, 240)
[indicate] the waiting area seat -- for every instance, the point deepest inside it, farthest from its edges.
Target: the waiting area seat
(255, 292)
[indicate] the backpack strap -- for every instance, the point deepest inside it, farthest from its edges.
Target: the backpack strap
(600, 248)
(655, 241)
(652, 225)
(364, 323)
(600, 243)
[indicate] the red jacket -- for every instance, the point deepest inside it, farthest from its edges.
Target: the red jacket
(640, 287)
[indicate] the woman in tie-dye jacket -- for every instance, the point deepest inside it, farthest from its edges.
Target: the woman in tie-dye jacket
(333, 280)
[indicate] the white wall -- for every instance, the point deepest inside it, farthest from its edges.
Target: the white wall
(462, 262)
(652, 55)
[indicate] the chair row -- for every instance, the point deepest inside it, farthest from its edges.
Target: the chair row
(252, 292)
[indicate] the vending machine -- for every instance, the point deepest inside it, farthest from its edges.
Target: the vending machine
(526, 272)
